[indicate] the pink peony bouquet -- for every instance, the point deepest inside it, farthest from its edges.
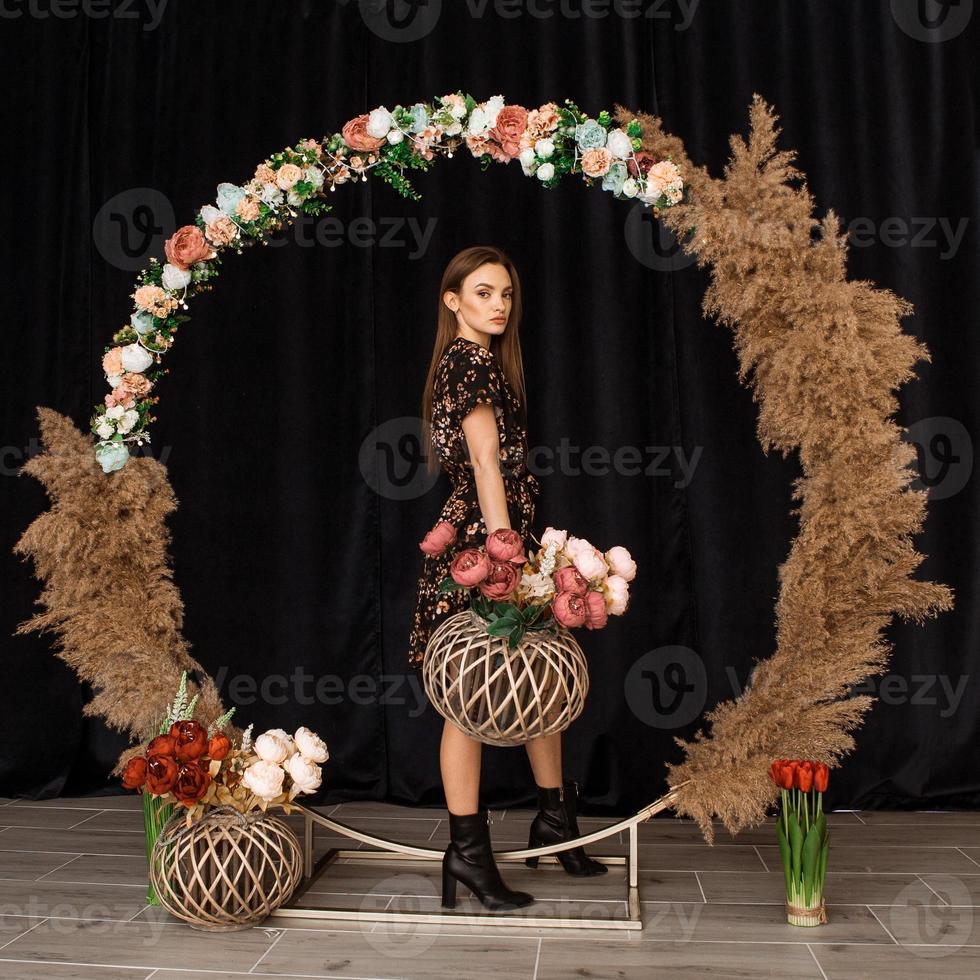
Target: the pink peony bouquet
(566, 582)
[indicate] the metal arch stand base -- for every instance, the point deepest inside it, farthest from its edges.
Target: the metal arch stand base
(382, 848)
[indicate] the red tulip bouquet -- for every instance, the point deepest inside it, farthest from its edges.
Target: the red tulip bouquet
(804, 840)
(565, 582)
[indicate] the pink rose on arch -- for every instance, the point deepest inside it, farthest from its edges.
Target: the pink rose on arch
(187, 246)
(438, 539)
(501, 581)
(570, 579)
(587, 558)
(569, 609)
(509, 127)
(595, 610)
(356, 135)
(470, 567)
(595, 162)
(112, 362)
(505, 544)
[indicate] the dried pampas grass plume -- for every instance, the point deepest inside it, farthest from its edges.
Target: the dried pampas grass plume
(102, 553)
(823, 356)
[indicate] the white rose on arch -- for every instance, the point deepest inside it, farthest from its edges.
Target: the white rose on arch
(379, 122)
(104, 429)
(479, 122)
(619, 144)
(546, 171)
(630, 187)
(127, 420)
(174, 278)
(310, 745)
(395, 136)
(136, 358)
(305, 774)
(264, 779)
(544, 148)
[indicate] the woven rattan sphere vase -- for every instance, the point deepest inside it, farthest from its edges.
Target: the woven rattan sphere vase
(226, 871)
(499, 695)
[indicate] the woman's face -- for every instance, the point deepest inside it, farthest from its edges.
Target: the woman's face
(484, 300)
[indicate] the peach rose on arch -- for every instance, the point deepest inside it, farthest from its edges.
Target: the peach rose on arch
(596, 162)
(187, 246)
(356, 136)
(509, 127)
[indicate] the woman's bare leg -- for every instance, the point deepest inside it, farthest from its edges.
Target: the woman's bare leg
(459, 760)
(544, 754)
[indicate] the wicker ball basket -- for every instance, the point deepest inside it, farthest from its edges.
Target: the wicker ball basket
(502, 695)
(228, 870)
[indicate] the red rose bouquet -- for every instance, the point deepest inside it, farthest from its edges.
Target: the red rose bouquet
(566, 582)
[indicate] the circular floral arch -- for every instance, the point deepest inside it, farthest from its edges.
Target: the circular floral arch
(823, 356)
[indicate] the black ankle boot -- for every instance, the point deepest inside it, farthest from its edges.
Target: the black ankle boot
(469, 859)
(557, 821)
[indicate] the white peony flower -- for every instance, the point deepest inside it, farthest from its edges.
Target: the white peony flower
(127, 420)
(492, 107)
(553, 536)
(105, 428)
(617, 594)
(546, 171)
(526, 157)
(544, 148)
(479, 122)
(619, 144)
(116, 412)
(457, 109)
(453, 129)
(304, 772)
(587, 558)
(270, 195)
(136, 358)
(629, 187)
(311, 745)
(621, 562)
(270, 747)
(115, 380)
(264, 778)
(537, 586)
(395, 136)
(210, 213)
(379, 122)
(174, 278)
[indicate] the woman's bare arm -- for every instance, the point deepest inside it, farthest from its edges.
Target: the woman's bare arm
(480, 430)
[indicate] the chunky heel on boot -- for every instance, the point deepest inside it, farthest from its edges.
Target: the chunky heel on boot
(469, 859)
(448, 889)
(557, 821)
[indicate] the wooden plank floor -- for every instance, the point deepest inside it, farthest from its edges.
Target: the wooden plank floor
(903, 898)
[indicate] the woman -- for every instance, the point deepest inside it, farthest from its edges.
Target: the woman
(475, 419)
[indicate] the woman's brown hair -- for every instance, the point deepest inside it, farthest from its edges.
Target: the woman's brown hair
(506, 346)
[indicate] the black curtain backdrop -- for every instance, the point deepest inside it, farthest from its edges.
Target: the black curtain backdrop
(289, 421)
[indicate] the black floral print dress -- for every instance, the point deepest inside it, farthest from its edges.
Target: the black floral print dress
(468, 375)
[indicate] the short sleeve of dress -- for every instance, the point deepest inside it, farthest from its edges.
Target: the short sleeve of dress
(473, 380)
